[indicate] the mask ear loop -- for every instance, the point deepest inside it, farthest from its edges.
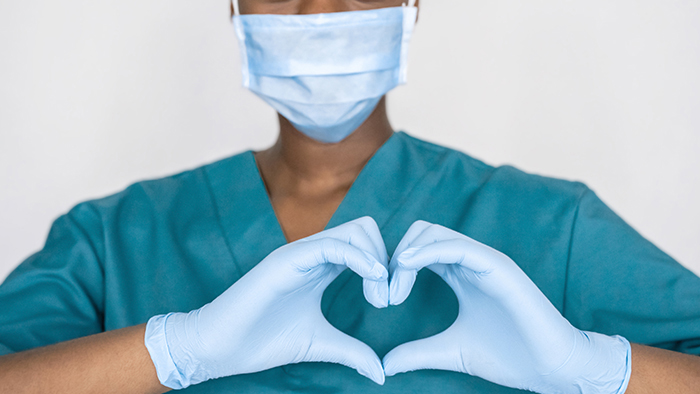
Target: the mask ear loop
(411, 3)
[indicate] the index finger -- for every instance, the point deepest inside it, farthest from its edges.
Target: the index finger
(362, 233)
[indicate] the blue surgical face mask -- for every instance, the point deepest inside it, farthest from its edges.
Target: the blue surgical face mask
(325, 73)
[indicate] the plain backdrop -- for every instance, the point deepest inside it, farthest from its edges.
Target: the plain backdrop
(95, 95)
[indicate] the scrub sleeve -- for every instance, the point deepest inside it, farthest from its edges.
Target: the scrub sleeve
(56, 294)
(618, 282)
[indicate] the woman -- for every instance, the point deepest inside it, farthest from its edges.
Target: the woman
(232, 269)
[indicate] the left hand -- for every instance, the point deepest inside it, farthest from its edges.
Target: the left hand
(507, 331)
(272, 315)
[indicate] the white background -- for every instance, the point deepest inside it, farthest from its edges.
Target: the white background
(95, 95)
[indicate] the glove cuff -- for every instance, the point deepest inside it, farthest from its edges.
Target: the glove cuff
(604, 364)
(157, 345)
(628, 365)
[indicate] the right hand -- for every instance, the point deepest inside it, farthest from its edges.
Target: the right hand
(507, 331)
(272, 315)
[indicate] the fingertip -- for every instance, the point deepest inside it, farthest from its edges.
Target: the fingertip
(383, 294)
(370, 257)
(378, 372)
(379, 272)
(393, 293)
(379, 304)
(395, 298)
(376, 293)
(411, 251)
(389, 369)
(367, 220)
(400, 287)
(332, 345)
(418, 227)
(375, 373)
(380, 379)
(408, 253)
(398, 360)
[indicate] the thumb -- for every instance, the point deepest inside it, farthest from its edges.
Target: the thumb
(435, 352)
(333, 346)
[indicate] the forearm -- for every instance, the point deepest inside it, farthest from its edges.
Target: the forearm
(663, 371)
(111, 362)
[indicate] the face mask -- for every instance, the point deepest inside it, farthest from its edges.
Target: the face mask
(325, 73)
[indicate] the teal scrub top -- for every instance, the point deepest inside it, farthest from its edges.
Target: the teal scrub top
(176, 243)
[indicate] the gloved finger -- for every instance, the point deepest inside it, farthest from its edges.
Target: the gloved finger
(403, 280)
(372, 230)
(436, 352)
(412, 260)
(432, 233)
(463, 252)
(311, 254)
(413, 232)
(365, 235)
(490, 271)
(333, 346)
(376, 292)
(358, 232)
(362, 233)
(332, 251)
(479, 253)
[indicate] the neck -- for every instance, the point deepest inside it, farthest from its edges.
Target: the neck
(297, 165)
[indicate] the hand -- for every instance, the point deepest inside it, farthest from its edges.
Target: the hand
(272, 315)
(506, 331)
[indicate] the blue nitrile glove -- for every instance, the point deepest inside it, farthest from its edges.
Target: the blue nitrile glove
(507, 331)
(272, 315)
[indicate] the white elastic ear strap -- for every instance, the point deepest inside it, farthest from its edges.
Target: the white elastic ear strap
(411, 3)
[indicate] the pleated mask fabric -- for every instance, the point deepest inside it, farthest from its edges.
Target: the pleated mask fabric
(325, 73)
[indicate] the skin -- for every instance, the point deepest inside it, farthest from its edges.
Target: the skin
(306, 181)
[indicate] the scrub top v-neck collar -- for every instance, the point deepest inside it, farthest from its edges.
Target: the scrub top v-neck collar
(248, 219)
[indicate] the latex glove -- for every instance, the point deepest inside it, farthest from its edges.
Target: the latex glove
(507, 331)
(272, 315)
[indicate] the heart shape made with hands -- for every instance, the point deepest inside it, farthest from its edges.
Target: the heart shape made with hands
(395, 288)
(272, 315)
